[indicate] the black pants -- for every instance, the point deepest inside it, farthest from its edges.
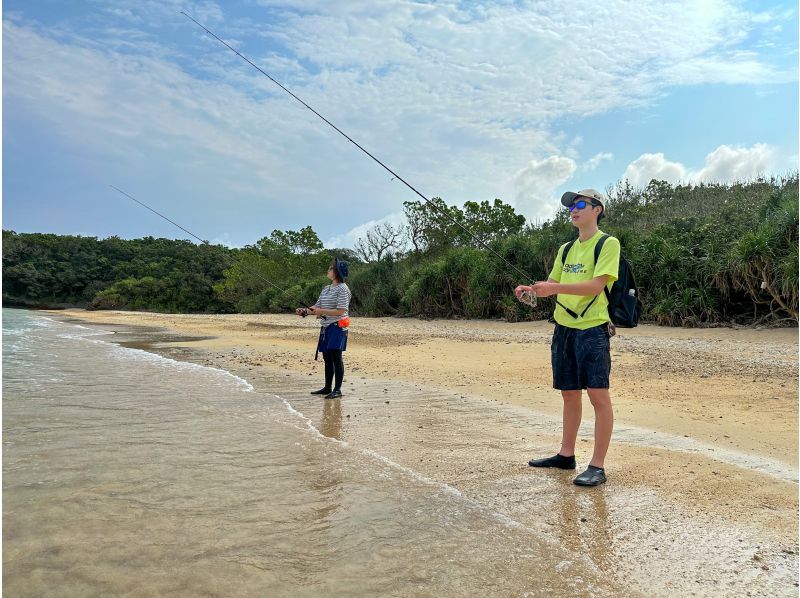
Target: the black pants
(333, 365)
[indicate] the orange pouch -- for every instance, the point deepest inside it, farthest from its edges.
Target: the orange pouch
(344, 322)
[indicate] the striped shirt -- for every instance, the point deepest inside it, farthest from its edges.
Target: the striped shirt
(334, 297)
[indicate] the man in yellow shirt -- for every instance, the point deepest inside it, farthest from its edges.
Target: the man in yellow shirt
(580, 351)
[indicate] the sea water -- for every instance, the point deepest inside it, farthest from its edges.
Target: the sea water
(127, 473)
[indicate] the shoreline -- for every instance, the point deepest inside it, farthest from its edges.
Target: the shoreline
(663, 453)
(733, 388)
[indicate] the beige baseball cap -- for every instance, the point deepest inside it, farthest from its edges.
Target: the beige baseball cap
(569, 197)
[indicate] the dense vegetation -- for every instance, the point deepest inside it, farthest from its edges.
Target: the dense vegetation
(154, 274)
(701, 254)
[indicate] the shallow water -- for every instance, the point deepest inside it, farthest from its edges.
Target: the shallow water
(132, 473)
(127, 473)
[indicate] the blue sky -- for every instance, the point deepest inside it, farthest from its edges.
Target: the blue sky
(466, 100)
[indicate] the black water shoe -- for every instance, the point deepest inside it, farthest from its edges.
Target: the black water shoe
(321, 391)
(593, 476)
(334, 395)
(557, 461)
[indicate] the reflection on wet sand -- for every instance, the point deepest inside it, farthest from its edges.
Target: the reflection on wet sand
(582, 524)
(331, 423)
(327, 482)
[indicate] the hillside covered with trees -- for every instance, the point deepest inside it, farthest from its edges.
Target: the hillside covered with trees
(701, 254)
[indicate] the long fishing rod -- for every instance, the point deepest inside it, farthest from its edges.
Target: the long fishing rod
(526, 277)
(205, 242)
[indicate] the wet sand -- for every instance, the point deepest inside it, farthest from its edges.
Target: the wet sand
(702, 492)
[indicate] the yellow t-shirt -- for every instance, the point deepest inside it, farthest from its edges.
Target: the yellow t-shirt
(577, 267)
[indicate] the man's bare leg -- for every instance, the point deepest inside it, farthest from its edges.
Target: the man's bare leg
(571, 419)
(603, 423)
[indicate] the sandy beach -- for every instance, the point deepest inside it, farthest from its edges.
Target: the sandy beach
(703, 464)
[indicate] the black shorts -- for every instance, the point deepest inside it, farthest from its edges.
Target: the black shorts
(581, 358)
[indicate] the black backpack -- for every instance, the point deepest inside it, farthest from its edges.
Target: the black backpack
(624, 307)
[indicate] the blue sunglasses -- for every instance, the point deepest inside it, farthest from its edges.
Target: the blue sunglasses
(580, 204)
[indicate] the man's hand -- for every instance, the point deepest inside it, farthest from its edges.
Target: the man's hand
(544, 288)
(301, 311)
(314, 311)
(612, 330)
(521, 289)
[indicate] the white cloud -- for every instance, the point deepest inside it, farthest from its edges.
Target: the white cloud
(725, 164)
(595, 160)
(743, 69)
(732, 163)
(164, 11)
(108, 98)
(653, 166)
(537, 182)
(460, 99)
(225, 240)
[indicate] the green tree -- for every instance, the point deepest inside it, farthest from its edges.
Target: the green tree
(273, 274)
(434, 225)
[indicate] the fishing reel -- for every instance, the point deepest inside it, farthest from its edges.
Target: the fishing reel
(528, 298)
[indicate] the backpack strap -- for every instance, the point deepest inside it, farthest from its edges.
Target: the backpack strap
(597, 249)
(566, 251)
(564, 254)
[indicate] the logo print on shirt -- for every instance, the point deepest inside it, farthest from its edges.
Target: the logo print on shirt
(575, 268)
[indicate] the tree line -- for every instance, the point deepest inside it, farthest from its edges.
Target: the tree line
(702, 255)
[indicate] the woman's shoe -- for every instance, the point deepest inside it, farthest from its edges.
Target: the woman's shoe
(334, 395)
(321, 391)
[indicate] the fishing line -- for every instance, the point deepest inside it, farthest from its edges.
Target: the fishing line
(205, 242)
(159, 214)
(524, 275)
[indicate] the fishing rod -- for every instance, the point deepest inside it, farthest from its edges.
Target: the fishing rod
(204, 241)
(525, 276)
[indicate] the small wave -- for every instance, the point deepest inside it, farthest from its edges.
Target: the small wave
(21, 330)
(31, 323)
(309, 425)
(140, 354)
(41, 321)
(80, 333)
(84, 337)
(16, 331)
(449, 490)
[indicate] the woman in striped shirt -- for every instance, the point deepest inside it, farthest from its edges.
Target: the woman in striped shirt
(332, 309)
